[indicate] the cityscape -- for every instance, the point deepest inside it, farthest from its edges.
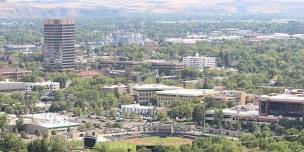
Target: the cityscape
(152, 76)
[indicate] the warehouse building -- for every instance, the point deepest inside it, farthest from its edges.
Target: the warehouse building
(46, 123)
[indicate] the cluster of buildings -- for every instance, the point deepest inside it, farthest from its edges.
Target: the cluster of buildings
(268, 108)
(250, 108)
(161, 95)
(125, 38)
(167, 67)
(119, 38)
(167, 95)
(231, 34)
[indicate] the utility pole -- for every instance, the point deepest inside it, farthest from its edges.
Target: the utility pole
(204, 125)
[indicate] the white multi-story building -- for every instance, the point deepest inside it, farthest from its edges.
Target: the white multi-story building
(7, 86)
(51, 86)
(136, 108)
(199, 61)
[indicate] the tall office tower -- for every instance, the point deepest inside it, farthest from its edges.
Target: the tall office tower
(59, 44)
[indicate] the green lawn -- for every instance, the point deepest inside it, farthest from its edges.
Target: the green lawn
(116, 146)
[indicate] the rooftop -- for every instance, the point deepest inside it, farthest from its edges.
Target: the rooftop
(44, 83)
(283, 98)
(13, 70)
(115, 86)
(20, 46)
(137, 106)
(50, 120)
(156, 87)
(246, 110)
(186, 92)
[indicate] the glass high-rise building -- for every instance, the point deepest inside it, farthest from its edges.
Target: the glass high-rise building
(59, 44)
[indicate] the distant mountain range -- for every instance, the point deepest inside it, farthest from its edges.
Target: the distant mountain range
(110, 8)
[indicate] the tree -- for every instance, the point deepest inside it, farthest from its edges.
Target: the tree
(144, 150)
(162, 116)
(109, 101)
(188, 111)
(198, 114)
(153, 100)
(38, 145)
(4, 121)
(183, 110)
(19, 124)
(218, 116)
(133, 116)
(59, 145)
(11, 143)
(77, 111)
(249, 140)
(126, 99)
(31, 100)
(62, 78)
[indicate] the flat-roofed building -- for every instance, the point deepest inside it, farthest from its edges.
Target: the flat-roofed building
(143, 92)
(232, 96)
(20, 48)
(59, 44)
(169, 97)
(119, 64)
(199, 61)
(290, 104)
(46, 123)
(116, 89)
(14, 73)
(163, 66)
(248, 112)
(27, 87)
(7, 86)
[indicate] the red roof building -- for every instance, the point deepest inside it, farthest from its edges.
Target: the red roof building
(14, 73)
(88, 73)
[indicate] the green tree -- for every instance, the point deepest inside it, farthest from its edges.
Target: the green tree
(198, 114)
(11, 143)
(58, 144)
(218, 116)
(162, 116)
(4, 121)
(19, 124)
(126, 99)
(38, 145)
